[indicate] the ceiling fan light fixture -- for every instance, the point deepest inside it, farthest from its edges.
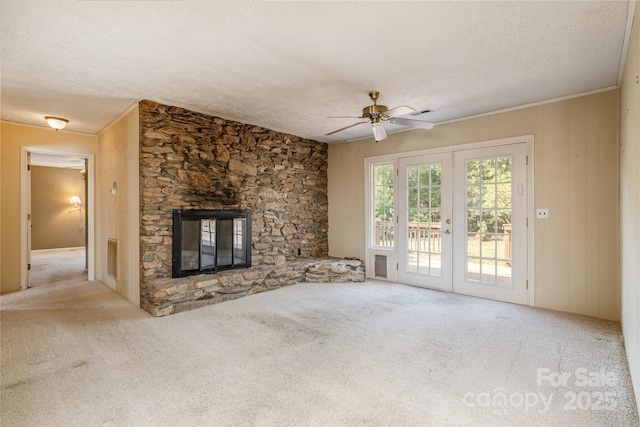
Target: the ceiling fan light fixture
(377, 114)
(56, 122)
(379, 133)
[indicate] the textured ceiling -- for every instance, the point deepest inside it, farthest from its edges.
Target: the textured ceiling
(287, 65)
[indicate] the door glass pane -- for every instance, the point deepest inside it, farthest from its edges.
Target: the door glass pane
(413, 198)
(436, 240)
(488, 170)
(412, 261)
(423, 263)
(474, 220)
(504, 221)
(436, 197)
(473, 196)
(488, 222)
(489, 196)
(503, 195)
(473, 269)
(424, 199)
(488, 271)
(489, 247)
(436, 265)
(436, 176)
(489, 209)
(503, 169)
(473, 172)
(424, 173)
(412, 177)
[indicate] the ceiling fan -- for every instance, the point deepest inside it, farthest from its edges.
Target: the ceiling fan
(377, 114)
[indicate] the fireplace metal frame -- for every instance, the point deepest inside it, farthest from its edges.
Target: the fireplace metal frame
(176, 255)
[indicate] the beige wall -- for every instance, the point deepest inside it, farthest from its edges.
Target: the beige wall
(12, 138)
(54, 222)
(630, 203)
(117, 216)
(576, 178)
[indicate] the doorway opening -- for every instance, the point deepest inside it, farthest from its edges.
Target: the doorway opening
(57, 217)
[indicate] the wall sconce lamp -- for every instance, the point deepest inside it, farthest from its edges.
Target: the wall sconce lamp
(56, 122)
(75, 201)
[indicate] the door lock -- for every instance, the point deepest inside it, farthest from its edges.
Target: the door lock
(447, 231)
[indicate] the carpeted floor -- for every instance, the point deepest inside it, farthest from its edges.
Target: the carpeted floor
(50, 266)
(310, 354)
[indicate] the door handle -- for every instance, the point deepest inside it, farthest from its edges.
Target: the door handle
(447, 231)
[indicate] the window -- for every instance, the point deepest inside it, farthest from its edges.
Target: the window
(383, 205)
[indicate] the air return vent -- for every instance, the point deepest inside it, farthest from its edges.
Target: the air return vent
(112, 258)
(380, 269)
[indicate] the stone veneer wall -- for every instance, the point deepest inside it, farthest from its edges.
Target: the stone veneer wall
(190, 160)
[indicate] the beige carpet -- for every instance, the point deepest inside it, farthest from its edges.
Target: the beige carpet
(310, 354)
(51, 266)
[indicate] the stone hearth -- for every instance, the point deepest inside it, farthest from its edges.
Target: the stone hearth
(169, 296)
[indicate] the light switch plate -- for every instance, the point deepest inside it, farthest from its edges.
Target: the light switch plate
(542, 213)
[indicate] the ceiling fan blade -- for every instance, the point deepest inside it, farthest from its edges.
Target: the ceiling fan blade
(345, 128)
(420, 124)
(398, 111)
(345, 117)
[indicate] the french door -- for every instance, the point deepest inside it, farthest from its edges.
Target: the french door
(425, 221)
(462, 222)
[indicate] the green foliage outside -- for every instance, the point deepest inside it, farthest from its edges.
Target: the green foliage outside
(384, 192)
(489, 189)
(424, 186)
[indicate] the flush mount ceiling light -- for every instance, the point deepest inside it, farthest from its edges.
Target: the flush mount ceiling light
(56, 122)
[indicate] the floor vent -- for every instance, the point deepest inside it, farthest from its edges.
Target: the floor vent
(380, 269)
(112, 258)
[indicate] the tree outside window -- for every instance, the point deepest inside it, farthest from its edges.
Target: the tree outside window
(383, 205)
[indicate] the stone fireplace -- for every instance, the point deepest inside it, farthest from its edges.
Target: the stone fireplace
(209, 241)
(193, 161)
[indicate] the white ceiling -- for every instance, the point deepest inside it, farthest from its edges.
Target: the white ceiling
(287, 65)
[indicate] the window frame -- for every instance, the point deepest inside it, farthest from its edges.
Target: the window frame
(370, 188)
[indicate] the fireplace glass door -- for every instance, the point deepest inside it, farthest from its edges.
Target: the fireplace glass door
(209, 241)
(231, 247)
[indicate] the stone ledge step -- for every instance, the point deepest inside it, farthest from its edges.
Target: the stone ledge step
(168, 296)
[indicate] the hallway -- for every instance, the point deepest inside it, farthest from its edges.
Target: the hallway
(54, 266)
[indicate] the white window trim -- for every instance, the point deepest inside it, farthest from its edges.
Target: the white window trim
(371, 249)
